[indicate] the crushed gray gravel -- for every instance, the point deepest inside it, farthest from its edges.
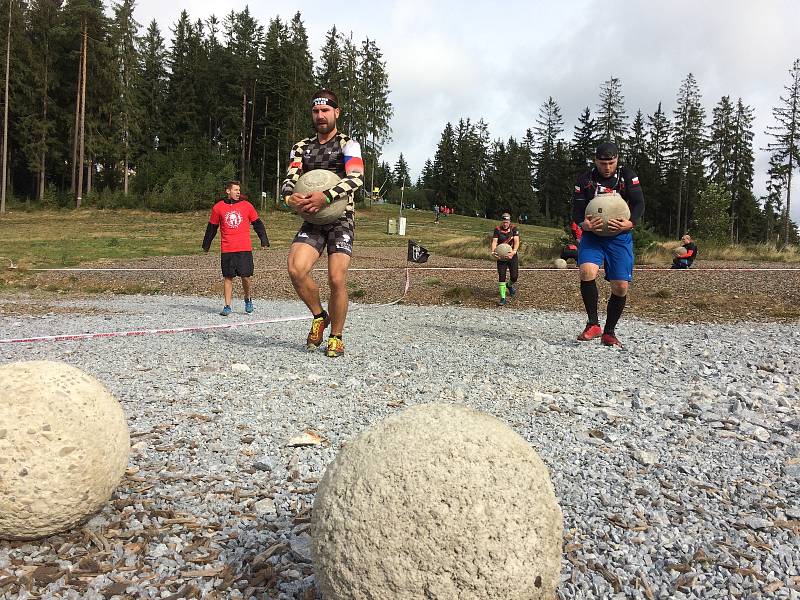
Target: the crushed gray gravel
(676, 460)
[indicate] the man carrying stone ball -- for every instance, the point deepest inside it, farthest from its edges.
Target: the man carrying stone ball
(506, 233)
(616, 250)
(336, 152)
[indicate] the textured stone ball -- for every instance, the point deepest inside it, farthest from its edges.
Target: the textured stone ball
(321, 180)
(560, 263)
(439, 501)
(64, 447)
(678, 251)
(503, 251)
(608, 206)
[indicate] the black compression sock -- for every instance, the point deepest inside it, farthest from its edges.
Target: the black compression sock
(589, 295)
(323, 314)
(616, 304)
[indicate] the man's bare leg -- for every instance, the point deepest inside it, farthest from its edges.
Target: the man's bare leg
(302, 258)
(227, 288)
(338, 263)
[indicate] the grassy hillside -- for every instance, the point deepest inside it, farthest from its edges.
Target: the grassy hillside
(66, 238)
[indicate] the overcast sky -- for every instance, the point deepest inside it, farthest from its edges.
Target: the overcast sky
(501, 60)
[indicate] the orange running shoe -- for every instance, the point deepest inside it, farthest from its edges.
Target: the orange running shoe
(317, 333)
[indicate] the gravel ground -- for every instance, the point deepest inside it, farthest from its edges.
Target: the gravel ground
(676, 460)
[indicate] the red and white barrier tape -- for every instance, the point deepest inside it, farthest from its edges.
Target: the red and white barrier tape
(365, 269)
(112, 334)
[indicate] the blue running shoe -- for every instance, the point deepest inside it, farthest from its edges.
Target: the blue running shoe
(248, 305)
(225, 311)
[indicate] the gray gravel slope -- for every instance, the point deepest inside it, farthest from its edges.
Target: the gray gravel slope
(676, 460)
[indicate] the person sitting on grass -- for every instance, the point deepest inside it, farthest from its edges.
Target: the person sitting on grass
(686, 258)
(570, 251)
(233, 217)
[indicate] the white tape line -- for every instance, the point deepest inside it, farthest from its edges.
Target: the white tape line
(194, 328)
(111, 334)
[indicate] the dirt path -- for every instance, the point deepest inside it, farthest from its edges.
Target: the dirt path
(666, 295)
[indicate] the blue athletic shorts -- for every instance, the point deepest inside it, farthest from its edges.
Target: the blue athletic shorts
(616, 253)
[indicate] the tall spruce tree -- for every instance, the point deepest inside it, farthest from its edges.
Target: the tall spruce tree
(374, 108)
(127, 109)
(611, 118)
(584, 140)
(547, 134)
(730, 154)
(37, 122)
(785, 147)
(402, 178)
(445, 167)
(657, 189)
(688, 150)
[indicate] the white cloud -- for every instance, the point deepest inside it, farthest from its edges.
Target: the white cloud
(501, 60)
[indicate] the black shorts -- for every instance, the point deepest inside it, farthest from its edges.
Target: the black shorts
(337, 236)
(237, 264)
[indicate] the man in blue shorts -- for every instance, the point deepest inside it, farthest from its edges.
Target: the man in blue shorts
(614, 252)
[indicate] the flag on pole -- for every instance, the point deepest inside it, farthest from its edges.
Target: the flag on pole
(417, 253)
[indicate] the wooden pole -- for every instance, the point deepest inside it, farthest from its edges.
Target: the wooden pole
(81, 143)
(77, 124)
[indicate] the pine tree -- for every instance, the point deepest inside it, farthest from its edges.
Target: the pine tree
(611, 119)
(712, 216)
(785, 147)
(659, 207)
(126, 112)
(329, 70)
(401, 174)
(182, 95)
(444, 167)
(688, 150)
(584, 140)
(374, 109)
(547, 134)
(426, 175)
(301, 79)
(152, 82)
(37, 119)
(731, 164)
(636, 156)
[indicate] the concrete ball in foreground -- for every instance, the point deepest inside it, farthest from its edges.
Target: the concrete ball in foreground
(64, 446)
(560, 263)
(439, 501)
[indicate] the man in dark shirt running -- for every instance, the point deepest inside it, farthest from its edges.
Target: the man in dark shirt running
(685, 259)
(506, 233)
(615, 252)
(328, 149)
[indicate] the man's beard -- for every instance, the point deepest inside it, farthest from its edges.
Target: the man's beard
(324, 128)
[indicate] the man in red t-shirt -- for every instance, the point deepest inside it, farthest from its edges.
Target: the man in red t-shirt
(233, 217)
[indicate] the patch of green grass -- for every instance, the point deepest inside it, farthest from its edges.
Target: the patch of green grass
(432, 281)
(64, 238)
(458, 294)
(661, 293)
(357, 293)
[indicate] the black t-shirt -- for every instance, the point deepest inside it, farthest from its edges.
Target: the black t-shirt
(624, 181)
(505, 237)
